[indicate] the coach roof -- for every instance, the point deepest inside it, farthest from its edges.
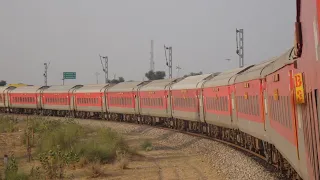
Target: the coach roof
(92, 88)
(28, 89)
(159, 84)
(126, 86)
(225, 78)
(191, 82)
(61, 89)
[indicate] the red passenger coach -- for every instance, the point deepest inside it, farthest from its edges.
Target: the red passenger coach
(59, 99)
(185, 97)
(4, 97)
(218, 93)
(249, 96)
(154, 98)
(280, 113)
(90, 98)
(26, 98)
(122, 98)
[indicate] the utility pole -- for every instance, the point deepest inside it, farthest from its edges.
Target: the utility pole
(105, 67)
(151, 57)
(169, 63)
(45, 74)
(97, 77)
(240, 46)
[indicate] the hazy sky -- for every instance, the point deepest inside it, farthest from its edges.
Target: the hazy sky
(71, 34)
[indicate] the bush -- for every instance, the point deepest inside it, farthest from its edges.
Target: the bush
(103, 146)
(64, 135)
(8, 124)
(122, 159)
(146, 145)
(11, 171)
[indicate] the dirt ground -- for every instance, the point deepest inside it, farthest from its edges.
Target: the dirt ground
(164, 161)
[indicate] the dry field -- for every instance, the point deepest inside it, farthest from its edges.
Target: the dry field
(145, 153)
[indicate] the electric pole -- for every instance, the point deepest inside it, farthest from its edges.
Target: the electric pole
(151, 57)
(169, 63)
(97, 77)
(45, 74)
(240, 46)
(105, 67)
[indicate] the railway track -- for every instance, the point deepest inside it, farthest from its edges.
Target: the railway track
(195, 134)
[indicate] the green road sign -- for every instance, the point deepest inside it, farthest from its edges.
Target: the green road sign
(69, 75)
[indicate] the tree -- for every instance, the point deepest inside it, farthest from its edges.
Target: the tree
(121, 79)
(3, 83)
(193, 74)
(116, 81)
(151, 75)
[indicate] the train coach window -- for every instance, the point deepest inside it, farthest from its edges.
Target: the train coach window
(226, 103)
(289, 111)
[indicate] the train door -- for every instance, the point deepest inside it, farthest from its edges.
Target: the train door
(72, 95)
(234, 114)
(170, 101)
(166, 100)
(103, 101)
(7, 98)
(39, 97)
(265, 106)
(137, 104)
(201, 104)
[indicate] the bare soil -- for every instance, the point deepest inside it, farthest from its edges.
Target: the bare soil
(166, 160)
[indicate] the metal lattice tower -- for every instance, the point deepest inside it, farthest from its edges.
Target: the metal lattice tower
(105, 67)
(151, 57)
(240, 46)
(45, 74)
(169, 62)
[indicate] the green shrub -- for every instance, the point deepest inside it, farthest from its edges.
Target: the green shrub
(146, 145)
(11, 171)
(8, 124)
(102, 146)
(64, 135)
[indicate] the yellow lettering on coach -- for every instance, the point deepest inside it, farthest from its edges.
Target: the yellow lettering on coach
(298, 82)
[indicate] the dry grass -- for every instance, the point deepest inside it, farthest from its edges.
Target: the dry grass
(96, 170)
(122, 160)
(83, 162)
(92, 148)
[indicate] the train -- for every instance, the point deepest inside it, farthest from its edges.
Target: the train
(270, 108)
(252, 106)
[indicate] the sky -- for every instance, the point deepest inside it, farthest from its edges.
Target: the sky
(71, 35)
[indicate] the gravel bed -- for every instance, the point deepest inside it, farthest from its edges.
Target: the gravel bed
(231, 163)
